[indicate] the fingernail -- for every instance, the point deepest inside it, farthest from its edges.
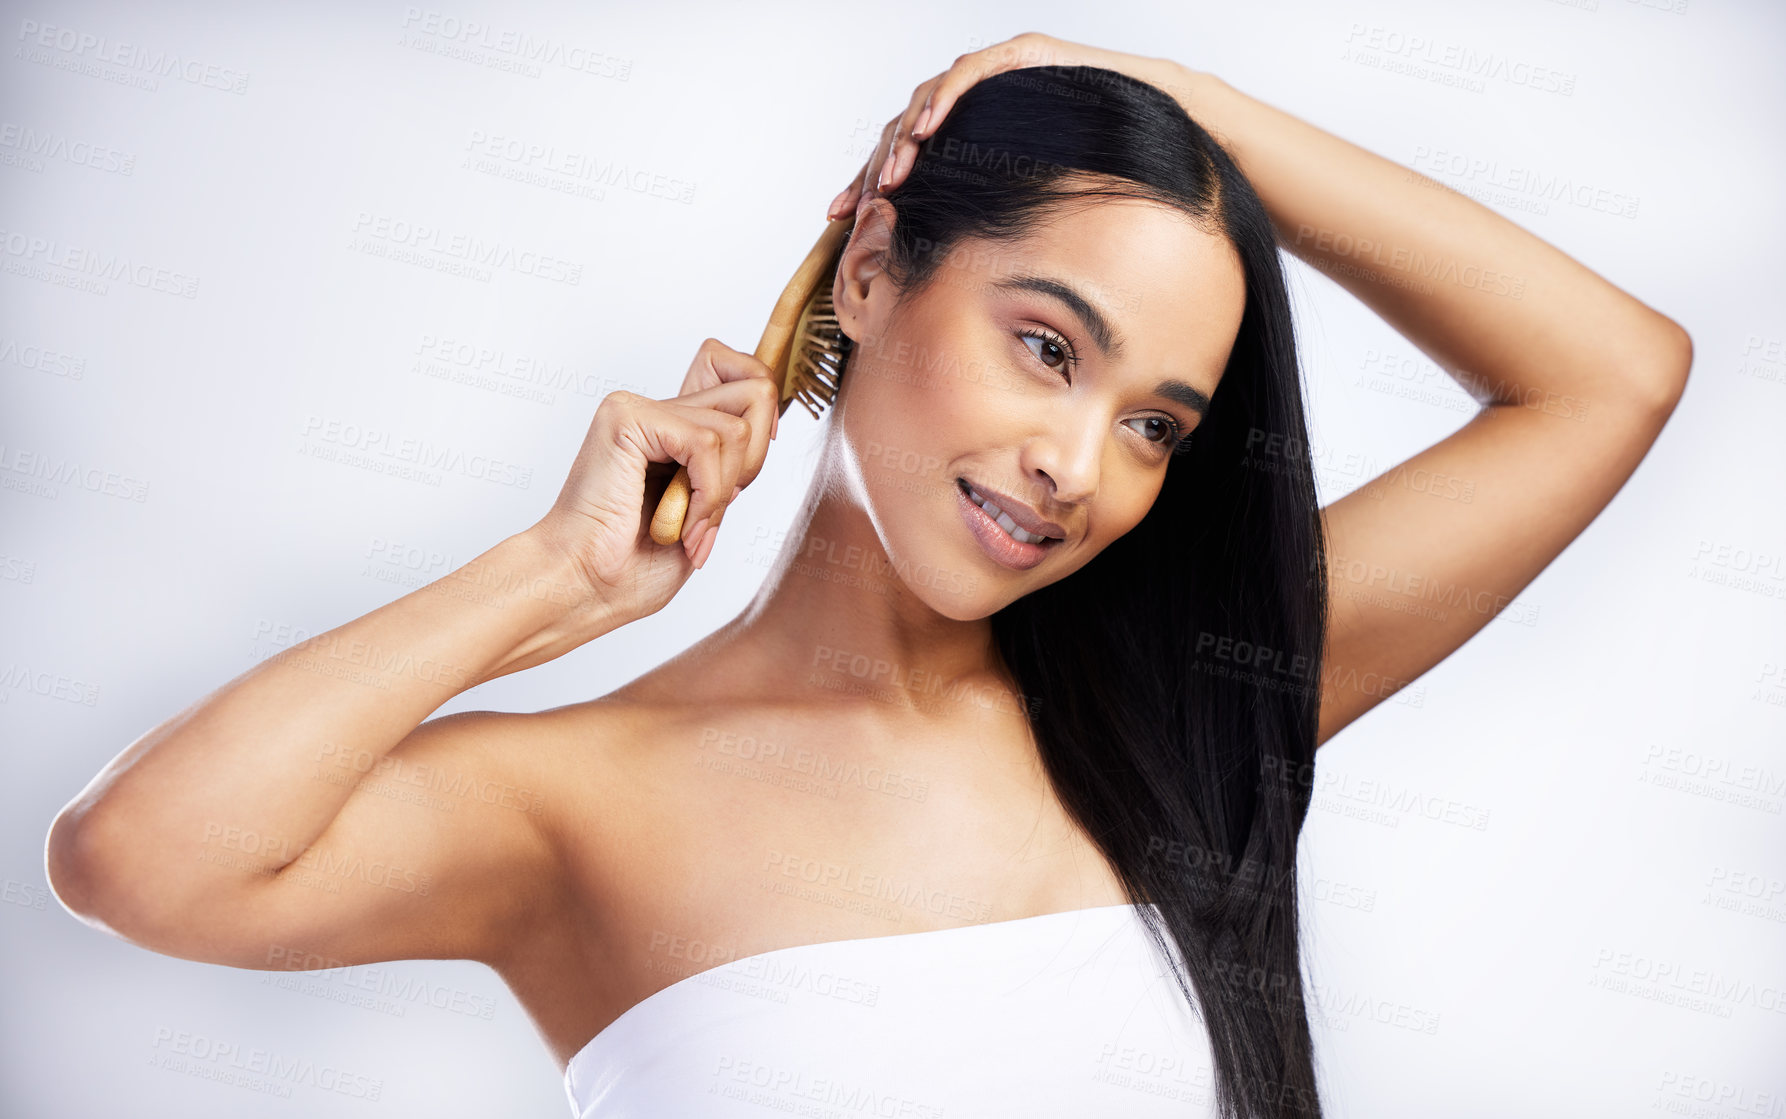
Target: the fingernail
(693, 533)
(923, 121)
(886, 166)
(836, 203)
(706, 549)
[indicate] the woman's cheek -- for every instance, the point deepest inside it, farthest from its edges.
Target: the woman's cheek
(880, 425)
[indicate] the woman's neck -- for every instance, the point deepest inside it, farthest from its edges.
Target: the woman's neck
(835, 620)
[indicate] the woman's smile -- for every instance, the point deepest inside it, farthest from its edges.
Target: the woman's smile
(999, 536)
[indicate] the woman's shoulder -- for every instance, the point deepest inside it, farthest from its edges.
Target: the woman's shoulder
(714, 688)
(644, 718)
(640, 740)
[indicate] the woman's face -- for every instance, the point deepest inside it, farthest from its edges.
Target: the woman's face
(1053, 373)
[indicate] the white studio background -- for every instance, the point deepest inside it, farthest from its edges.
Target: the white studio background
(203, 468)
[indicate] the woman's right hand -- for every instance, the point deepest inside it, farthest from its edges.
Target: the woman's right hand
(901, 139)
(719, 425)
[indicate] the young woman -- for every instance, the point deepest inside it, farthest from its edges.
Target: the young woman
(988, 803)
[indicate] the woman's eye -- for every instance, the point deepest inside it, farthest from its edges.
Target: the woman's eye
(1167, 430)
(1053, 353)
(1048, 351)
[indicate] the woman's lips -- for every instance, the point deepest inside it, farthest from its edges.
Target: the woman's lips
(998, 544)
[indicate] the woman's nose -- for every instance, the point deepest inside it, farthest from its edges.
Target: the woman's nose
(1068, 454)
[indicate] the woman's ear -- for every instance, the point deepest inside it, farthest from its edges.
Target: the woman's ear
(862, 292)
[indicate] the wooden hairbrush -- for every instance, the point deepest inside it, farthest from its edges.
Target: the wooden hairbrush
(804, 348)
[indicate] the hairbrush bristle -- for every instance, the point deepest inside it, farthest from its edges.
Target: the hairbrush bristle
(818, 355)
(804, 349)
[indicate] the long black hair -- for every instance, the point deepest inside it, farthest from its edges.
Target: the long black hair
(1172, 680)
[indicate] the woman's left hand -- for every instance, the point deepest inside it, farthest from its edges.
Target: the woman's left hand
(931, 101)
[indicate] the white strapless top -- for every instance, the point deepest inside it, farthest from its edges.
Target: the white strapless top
(1062, 1014)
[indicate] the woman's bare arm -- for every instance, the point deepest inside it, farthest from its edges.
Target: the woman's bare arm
(304, 808)
(300, 817)
(1576, 379)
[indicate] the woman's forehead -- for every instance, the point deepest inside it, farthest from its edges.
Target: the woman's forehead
(1136, 269)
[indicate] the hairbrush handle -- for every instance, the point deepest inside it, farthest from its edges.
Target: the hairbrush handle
(773, 351)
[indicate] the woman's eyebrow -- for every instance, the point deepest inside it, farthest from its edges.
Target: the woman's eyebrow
(1108, 341)
(1188, 395)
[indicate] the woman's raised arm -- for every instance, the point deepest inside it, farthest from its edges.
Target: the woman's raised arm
(240, 830)
(1576, 377)
(280, 817)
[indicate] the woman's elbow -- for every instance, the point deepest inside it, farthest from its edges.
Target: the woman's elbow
(83, 879)
(1673, 361)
